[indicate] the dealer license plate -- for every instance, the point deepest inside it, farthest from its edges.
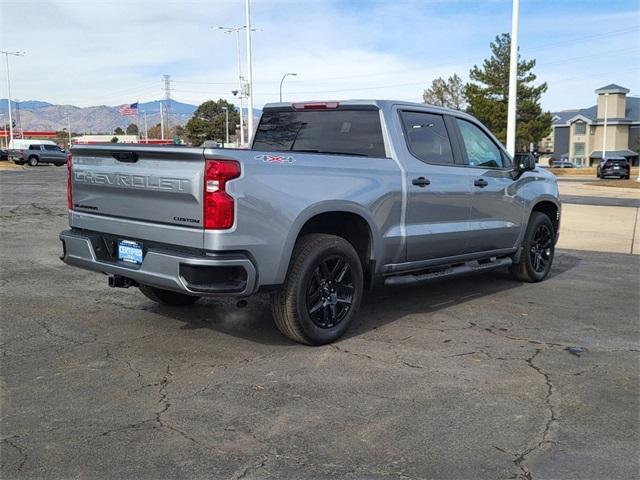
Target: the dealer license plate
(130, 251)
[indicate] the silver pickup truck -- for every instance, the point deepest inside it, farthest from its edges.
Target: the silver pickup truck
(332, 198)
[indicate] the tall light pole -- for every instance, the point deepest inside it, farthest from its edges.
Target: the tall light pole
(226, 124)
(247, 11)
(513, 80)
(282, 80)
(237, 31)
(6, 57)
(69, 129)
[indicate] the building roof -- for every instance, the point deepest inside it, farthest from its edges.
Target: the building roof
(632, 113)
(612, 88)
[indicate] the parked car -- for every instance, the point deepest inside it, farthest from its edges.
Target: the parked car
(614, 167)
(4, 155)
(561, 163)
(36, 153)
(333, 198)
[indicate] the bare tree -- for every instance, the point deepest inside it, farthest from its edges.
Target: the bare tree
(446, 93)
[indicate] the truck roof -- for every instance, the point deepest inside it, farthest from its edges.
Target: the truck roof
(382, 104)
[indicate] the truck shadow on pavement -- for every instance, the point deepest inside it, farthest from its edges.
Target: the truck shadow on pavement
(379, 306)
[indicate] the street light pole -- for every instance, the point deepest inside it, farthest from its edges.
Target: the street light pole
(513, 80)
(69, 129)
(226, 125)
(6, 57)
(237, 31)
(247, 12)
(282, 80)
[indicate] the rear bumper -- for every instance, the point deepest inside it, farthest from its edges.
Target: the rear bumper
(223, 274)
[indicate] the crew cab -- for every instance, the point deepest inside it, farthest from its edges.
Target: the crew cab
(332, 198)
(35, 153)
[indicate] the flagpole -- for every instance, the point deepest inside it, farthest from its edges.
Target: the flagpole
(146, 132)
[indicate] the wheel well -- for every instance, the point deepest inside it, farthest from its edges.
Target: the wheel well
(550, 209)
(350, 226)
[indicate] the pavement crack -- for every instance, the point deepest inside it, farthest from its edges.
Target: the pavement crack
(544, 437)
(23, 455)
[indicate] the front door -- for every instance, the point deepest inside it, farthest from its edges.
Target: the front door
(439, 188)
(497, 209)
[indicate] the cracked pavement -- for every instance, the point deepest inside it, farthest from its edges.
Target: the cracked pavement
(465, 379)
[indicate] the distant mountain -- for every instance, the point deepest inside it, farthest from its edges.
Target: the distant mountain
(39, 115)
(173, 107)
(24, 104)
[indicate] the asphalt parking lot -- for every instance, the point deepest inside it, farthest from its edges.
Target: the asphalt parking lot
(476, 378)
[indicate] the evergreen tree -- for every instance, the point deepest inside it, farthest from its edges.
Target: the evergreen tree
(208, 122)
(488, 94)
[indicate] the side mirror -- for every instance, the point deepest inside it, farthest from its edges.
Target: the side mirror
(525, 163)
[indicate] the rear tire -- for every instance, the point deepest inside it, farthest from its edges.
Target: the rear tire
(167, 297)
(322, 291)
(538, 248)
(33, 161)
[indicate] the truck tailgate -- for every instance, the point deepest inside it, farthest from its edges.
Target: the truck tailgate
(153, 184)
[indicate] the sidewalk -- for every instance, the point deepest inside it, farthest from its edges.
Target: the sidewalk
(602, 229)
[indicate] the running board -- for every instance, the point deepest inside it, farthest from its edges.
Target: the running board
(455, 271)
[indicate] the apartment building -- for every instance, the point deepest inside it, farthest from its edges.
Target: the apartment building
(580, 136)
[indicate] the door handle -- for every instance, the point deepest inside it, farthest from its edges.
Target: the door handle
(480, 182)
(421, 181)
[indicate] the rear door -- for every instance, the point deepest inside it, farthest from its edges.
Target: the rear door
(161, 185)
(497, 211)
(439, 187)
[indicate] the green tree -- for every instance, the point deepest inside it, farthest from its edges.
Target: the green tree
(208, 122)
(118, 131)
(488, 96)
(132, 129)
(446, 93)
(114, 140)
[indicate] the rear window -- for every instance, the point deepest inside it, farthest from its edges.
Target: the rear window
(340, 132)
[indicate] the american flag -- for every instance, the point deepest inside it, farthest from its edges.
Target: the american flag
(129, 109)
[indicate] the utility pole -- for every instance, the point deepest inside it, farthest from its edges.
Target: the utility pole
(513, 81)
(69, 129)
(161, 122)
(247, 5)
(167, 99)
(6, 57)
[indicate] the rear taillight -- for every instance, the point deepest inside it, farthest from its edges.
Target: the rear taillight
(219, 206)
(69, 184)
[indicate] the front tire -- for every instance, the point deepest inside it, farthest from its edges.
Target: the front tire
(322, 290)
(33, 161)
(167, 297)
(538, 248)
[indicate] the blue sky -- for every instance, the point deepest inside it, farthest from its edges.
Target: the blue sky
(87, 52)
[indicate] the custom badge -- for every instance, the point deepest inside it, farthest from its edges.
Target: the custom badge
(275, 158)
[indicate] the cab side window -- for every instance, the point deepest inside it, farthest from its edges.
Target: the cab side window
(34, 147)
(481, 151)
(427, 137)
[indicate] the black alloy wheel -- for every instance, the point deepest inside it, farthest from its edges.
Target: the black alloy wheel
(540, 251)
(330, 292)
